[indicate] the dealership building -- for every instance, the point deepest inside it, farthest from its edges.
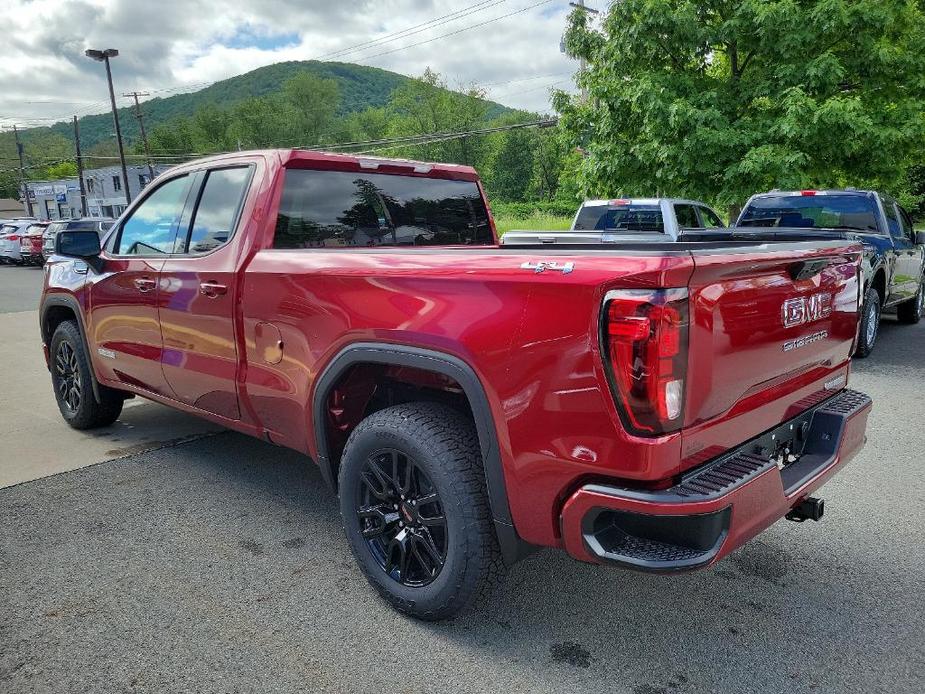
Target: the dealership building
(104, 190)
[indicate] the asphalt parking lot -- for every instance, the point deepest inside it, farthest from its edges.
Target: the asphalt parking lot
(216, 563)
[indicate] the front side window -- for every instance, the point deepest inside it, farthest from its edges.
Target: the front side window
(324, 209)
(218, 209)
(687, 216)
(152, 226)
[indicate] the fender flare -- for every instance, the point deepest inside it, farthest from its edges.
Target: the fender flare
(69, 302)
(512, 546)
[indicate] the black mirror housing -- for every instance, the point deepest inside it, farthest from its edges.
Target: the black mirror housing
(83, 244)
(920, 237)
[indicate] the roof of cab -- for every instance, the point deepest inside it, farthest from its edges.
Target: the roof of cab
(639, 201)
(334, 161)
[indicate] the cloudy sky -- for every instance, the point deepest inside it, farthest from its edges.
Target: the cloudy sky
(176, 45)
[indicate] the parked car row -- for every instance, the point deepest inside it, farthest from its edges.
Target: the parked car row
(893, 266)
(27, 241)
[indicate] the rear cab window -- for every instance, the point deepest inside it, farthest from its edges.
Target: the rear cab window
(340, 209)
(645, 218)
(819, 211)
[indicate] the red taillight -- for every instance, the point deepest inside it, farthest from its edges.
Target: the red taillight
(807, 192)
(619, 203)
(13, 237)
(645, 345)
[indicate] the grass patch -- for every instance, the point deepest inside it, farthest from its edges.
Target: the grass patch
(538, 221)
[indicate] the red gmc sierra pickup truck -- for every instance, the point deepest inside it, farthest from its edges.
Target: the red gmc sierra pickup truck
(652, 406)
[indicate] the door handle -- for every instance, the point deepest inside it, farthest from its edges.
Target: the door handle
(212, 289)
(144, 284)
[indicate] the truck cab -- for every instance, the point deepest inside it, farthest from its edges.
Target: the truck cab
(893, 265)
(627, 220)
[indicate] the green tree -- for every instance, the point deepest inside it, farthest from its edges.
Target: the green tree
(315, 102)
(263, 122)
(67, 169)
(425, 106)
(509, 163)
(718, 99)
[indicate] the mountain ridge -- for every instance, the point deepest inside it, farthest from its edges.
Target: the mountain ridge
(360, 87)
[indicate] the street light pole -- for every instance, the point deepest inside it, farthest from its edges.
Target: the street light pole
(104, 56)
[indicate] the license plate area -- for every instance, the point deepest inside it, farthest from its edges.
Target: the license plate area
(784, 445)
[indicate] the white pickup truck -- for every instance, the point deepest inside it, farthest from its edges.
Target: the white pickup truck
(637, 219)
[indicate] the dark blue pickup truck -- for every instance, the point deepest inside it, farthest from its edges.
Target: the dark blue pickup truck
(894, 257)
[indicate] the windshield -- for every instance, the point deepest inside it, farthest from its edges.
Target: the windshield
(647, 218)
(811, 212)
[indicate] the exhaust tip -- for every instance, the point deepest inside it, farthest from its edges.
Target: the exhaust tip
(810, 508)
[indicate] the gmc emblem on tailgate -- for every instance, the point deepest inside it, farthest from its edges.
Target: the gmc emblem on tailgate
(806, 309)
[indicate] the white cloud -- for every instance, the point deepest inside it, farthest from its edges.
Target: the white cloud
(168, 44)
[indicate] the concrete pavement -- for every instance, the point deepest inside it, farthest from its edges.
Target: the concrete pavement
(35, 442)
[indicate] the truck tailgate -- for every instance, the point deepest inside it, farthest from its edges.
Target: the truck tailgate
(771, 333)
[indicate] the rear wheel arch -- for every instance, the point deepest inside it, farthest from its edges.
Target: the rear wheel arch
(432, 361)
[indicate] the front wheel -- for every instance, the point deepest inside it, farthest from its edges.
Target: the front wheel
(72, 380)
(870, 323)
(415, 509)
(910, 311)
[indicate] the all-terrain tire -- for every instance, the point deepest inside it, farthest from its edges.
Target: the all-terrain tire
(443, 445)
(72, 381)
(870, 324)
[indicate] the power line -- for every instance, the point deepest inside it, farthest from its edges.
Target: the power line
(417, 28)
(371, 146)
(454, 33)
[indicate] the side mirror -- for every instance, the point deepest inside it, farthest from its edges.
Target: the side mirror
(920, 237)
(78, 244)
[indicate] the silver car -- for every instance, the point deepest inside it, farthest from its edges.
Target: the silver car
(101, 226)
(10, 235)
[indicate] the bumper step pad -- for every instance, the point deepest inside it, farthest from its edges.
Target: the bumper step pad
(664, 542)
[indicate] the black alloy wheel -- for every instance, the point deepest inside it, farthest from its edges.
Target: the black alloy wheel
(84, 404)
(401, 518)
(415, 509)
(68, 381)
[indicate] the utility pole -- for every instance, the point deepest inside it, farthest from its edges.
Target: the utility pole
(580, 5)
(80, 170)
(141, 126)
(103, 57)
(22, 173)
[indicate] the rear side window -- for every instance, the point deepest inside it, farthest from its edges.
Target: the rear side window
(152, 226)
(338, 209)
(645, 218)
(905, 223)
(218, 209)
(892, 219)
(687, 216)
